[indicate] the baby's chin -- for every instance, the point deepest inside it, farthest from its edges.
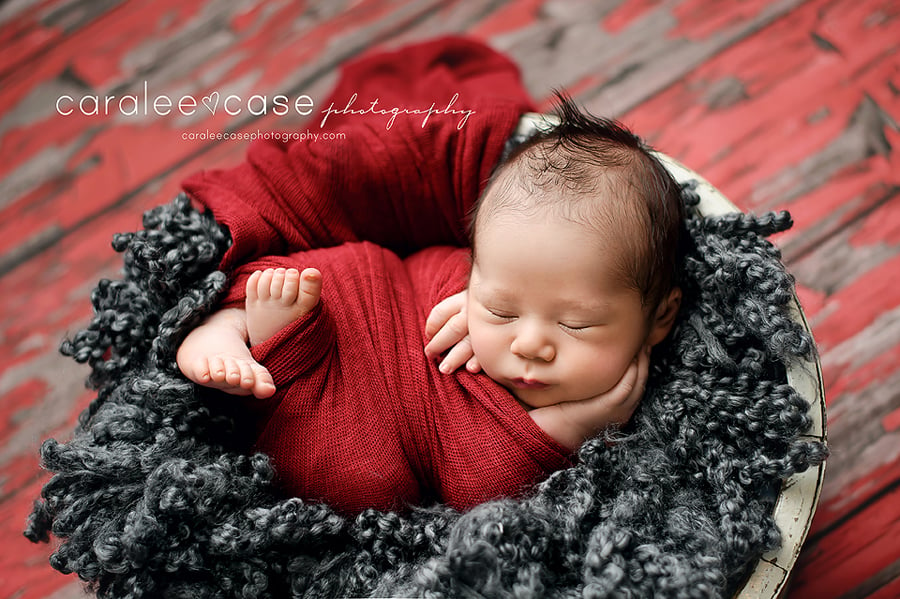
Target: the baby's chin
(531, 399)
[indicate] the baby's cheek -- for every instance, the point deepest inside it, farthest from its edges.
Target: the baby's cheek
(483, 344)
(605, 370)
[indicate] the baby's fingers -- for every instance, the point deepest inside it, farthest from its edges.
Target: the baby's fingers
(459, 354)
(625, 395)
(643, 370)
(454, 330)
(633, 384)
(442, 312)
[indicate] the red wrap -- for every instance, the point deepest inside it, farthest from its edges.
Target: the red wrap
(404, 188)
(362, 418)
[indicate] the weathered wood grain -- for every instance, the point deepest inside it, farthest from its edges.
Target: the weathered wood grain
(787, 104)
(176, 48)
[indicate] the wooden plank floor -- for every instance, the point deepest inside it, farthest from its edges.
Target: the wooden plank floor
(782, 104)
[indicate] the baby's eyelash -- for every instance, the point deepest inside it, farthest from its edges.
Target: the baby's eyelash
(503, 315)
(574, 328)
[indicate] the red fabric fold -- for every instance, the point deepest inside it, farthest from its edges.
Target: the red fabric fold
(404, 188)
(297, 348)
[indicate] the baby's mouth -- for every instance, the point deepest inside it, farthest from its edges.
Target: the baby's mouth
(522, 383)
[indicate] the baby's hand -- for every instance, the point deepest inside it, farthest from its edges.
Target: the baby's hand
(573, 422)
(446, 328)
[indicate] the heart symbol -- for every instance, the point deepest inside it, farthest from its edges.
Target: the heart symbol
(211, 102)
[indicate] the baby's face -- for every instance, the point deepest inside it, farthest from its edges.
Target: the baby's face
(548, 316)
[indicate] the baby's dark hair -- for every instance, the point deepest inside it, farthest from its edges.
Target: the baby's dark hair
(595, 171)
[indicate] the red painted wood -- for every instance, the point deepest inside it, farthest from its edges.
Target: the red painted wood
(509, 18)
(799, 111)
(109, 155)
(626, 14)
(870, 294)
(841, 509)
(697, 22)
(889, 591)
(797, 90)
(26, 574)
(23, 36)
(891, 422)
(858, 550)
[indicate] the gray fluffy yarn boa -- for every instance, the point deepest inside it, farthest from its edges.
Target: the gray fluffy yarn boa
(154, 497)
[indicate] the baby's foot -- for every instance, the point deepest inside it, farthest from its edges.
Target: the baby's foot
(216, 355)
(277, 297)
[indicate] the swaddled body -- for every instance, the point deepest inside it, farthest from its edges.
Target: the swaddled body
(362, 418)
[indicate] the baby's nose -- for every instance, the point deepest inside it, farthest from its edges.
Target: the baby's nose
(531, 345)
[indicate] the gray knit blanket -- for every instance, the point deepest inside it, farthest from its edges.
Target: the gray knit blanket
(156, 495)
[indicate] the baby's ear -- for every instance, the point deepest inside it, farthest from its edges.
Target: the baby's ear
(664, 317)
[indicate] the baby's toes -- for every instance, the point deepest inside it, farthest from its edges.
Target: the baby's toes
(233, 375)
(248, 375)
(290, 289)
(276, 285)
(198, 371)
(216, 369)
(310, 289)
(263, 384)
(224, 373)
(252, 288)
(262, 285)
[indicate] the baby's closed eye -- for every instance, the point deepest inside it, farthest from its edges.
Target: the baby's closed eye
(575, 327)
(501, 314)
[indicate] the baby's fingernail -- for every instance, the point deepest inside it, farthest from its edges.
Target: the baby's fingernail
(445, 368)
